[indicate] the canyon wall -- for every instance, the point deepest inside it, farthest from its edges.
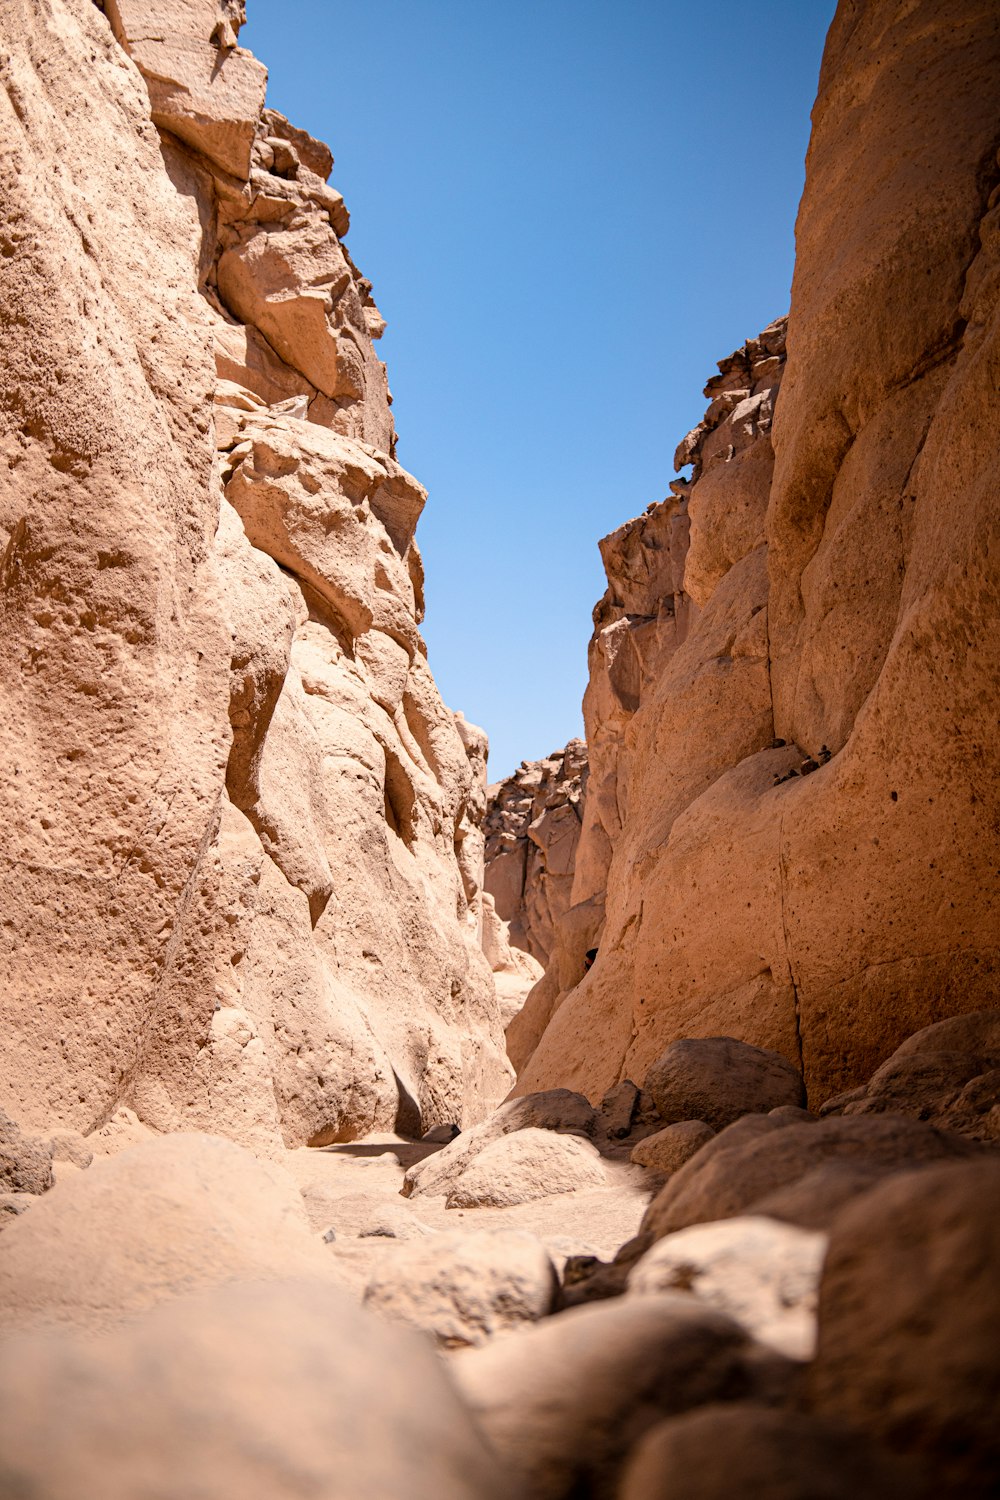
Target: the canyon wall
(532, 827)
(242, 858)
(792, 827)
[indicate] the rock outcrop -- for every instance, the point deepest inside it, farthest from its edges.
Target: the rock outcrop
(532, 827)
(791, 827)
(242, 862)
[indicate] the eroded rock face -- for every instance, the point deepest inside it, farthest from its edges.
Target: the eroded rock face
(792, 808)
(532, 828)
(243, 864)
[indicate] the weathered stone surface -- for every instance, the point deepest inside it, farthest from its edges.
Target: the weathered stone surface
(554, 1110)
(203, 88)
(669, 1149)
(851, 637)
(532, 828)
(908, 1316)
(266, 1392)
(717, 1079)
(524, 1165)
(463, 1288)
(25, 1162)
(747, 1166)
(114, 740)
(244, 863)
(762, 1273)
(948, 1073)
(148, 1225)
(753, 1451)
(12, 1205)
(564, 1402)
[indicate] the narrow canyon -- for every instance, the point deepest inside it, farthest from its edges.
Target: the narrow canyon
(626, 1129)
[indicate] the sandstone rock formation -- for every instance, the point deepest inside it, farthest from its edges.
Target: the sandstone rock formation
(532, 829)
(242, 865)
(792, 812)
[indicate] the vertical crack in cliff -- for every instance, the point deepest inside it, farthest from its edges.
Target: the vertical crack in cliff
(782, 879)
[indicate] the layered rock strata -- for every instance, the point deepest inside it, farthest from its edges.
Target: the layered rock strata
(242, 858)
(836, 616)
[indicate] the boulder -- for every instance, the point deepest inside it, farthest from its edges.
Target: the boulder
(759, 1157)
(267, 1392)
(908, 1314)
(669, 1149)
(555, 1109)
(756, 1453)
(150, 1224)
(762, 1273)
(564, 1402)
(948, 1073)
(528, 1164)
(717, 1079)
(464, 1287)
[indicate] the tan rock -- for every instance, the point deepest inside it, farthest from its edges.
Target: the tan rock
(525, 1165)
(762, 1273)
(830, 915)
(564, 1402)
(463, 1288)
(669, 1149)
(25, 1162)
(752, 1450)
(717, 1079)
(532, 828)
(908, 1310)
(557, 1110)
(266, 1391)
(739, 1171)
(948, 1073)
(149, 1225)
(114, 743)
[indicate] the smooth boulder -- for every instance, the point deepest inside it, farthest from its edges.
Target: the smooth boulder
(265, 1392)
(564, 1402)
(948, 1074)
(762, 1273)
(669, 1149)
(463, 1288)
(555, 1109)
(157, 1221)
(717, 1079)
(748, 1164)
(756, 1453)
(909, 1313)
(524, 1166)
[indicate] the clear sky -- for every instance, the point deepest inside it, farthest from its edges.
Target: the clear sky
(570, 209)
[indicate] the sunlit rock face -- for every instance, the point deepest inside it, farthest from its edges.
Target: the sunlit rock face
(532, 829)
(242, 858)
(791, 828)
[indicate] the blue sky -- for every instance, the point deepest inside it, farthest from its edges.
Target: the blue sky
(570, 209)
